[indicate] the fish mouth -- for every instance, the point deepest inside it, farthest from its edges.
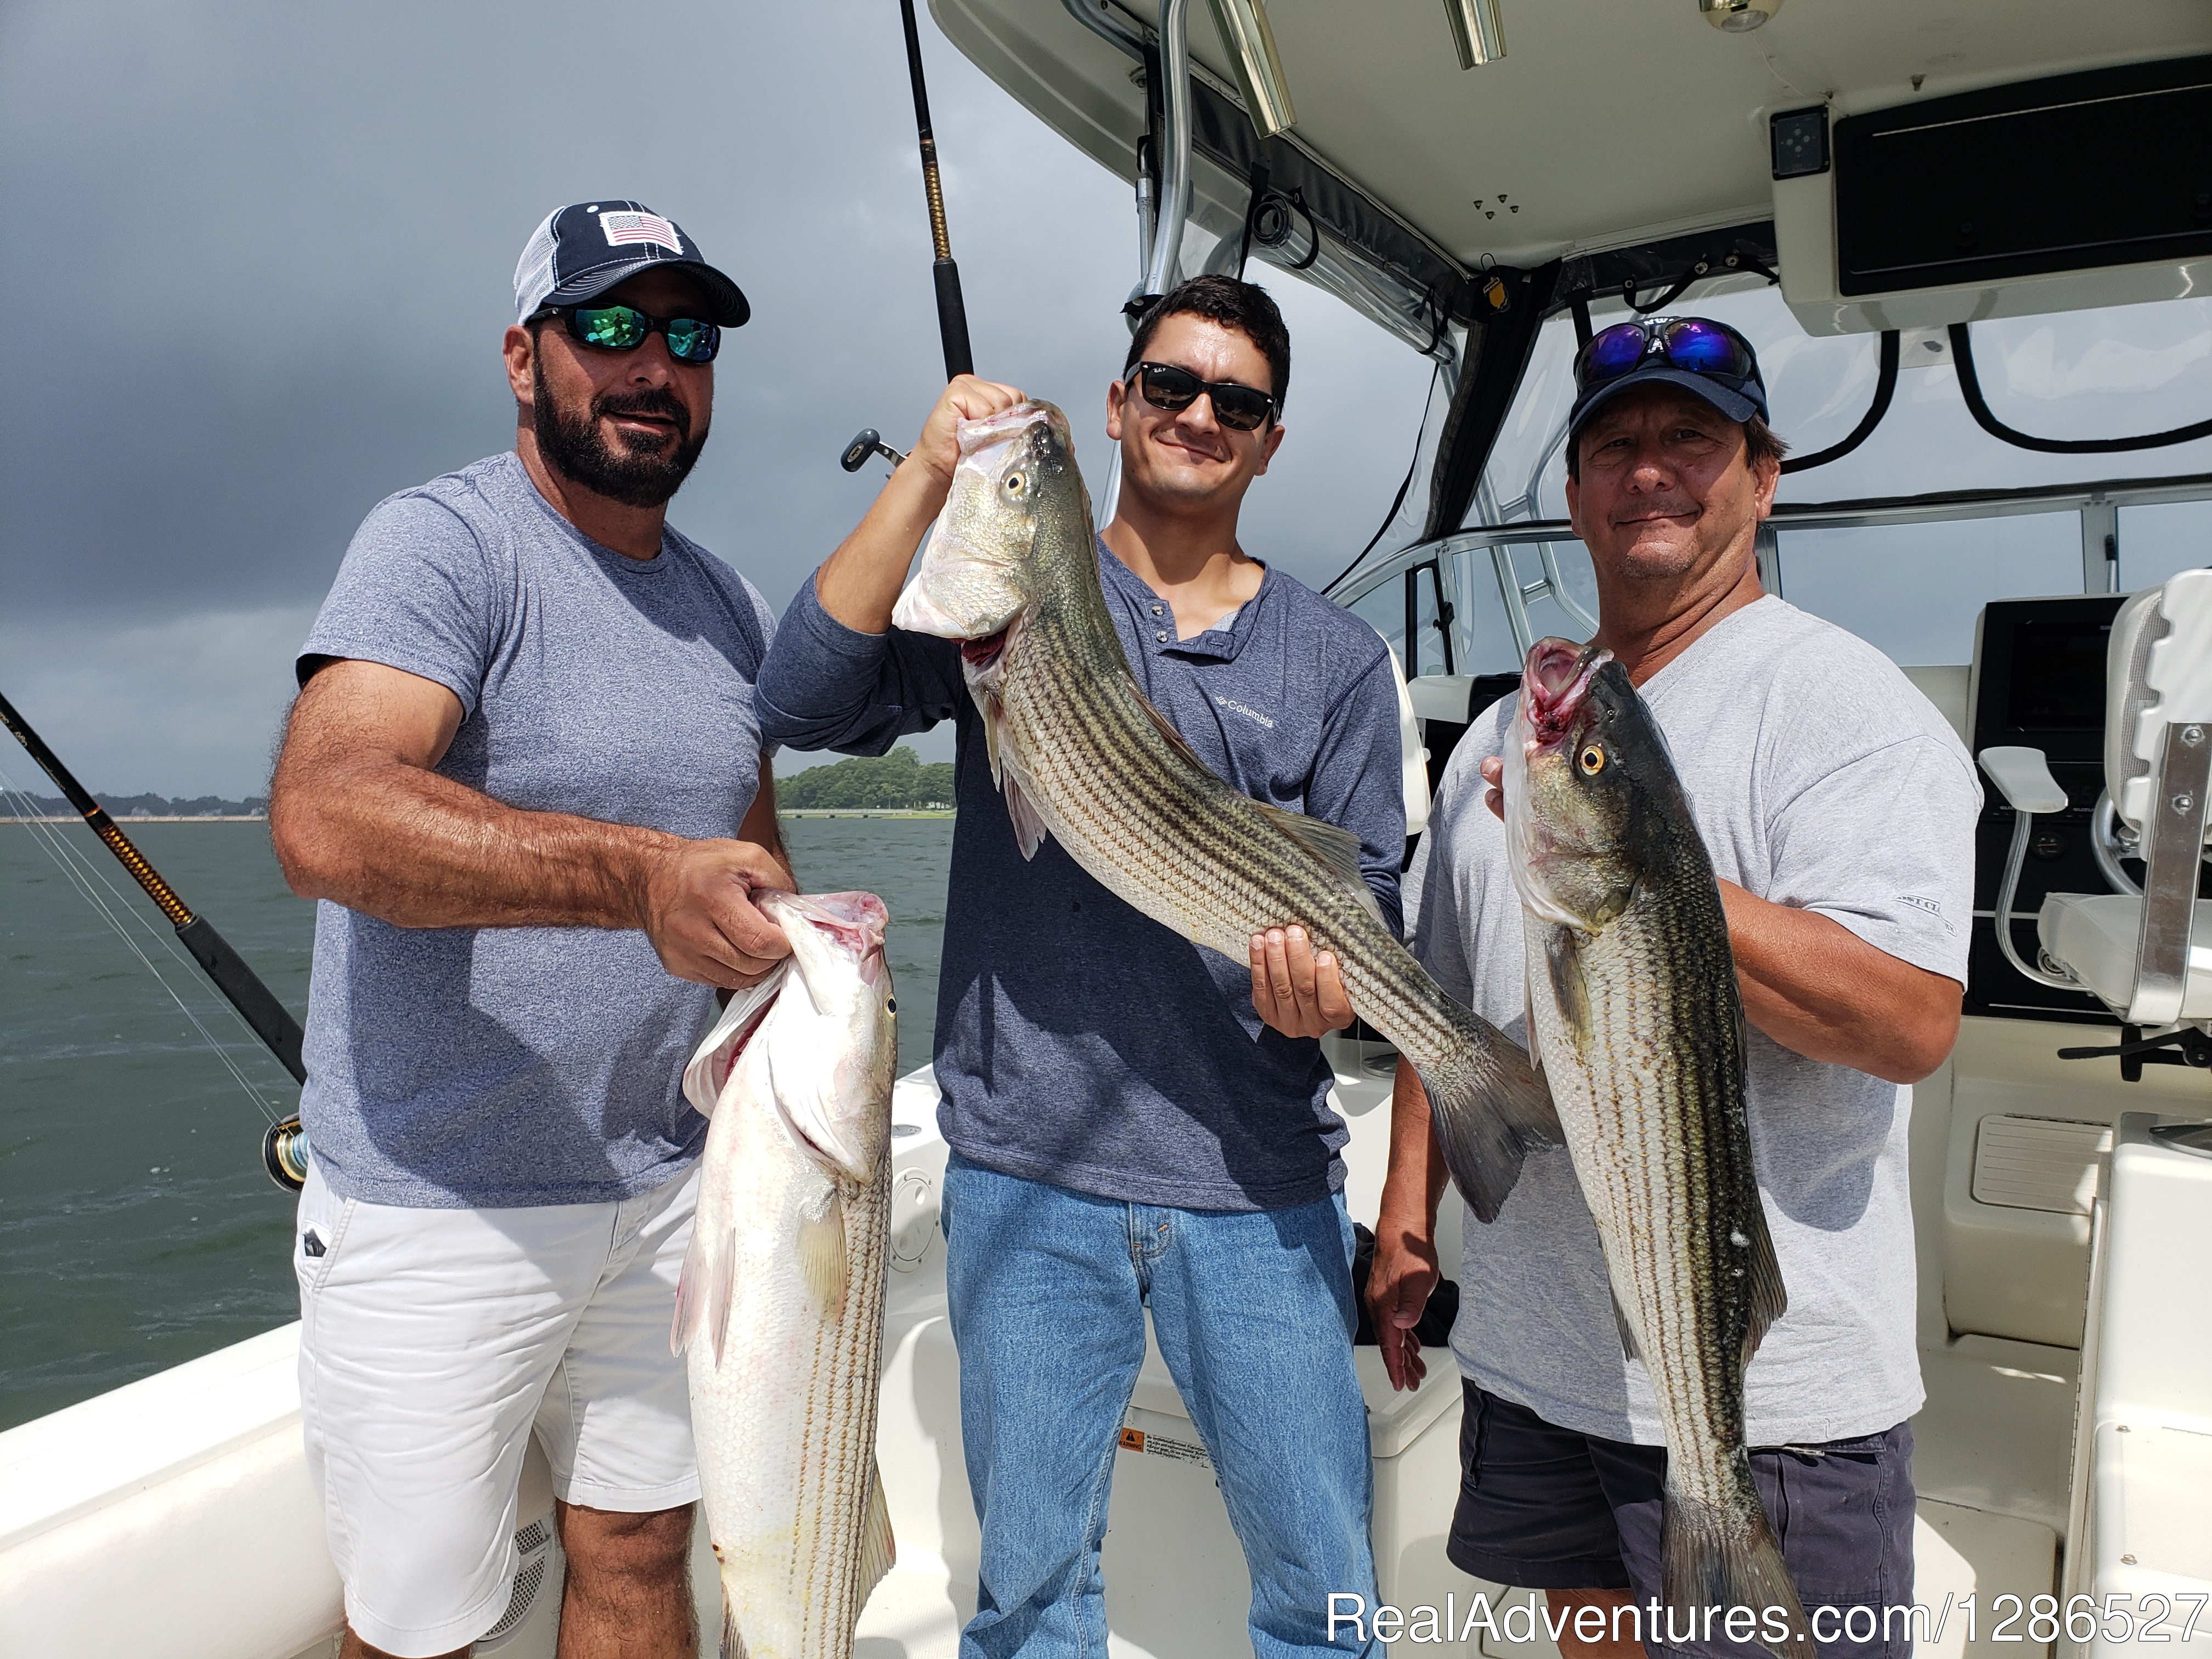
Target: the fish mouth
(1554, 683)
(853, 922)
(1008, 424)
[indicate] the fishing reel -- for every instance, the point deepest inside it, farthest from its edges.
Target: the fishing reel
(285, 1153)
(866, 443)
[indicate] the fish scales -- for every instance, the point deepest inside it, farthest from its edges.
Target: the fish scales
(1635, 1010)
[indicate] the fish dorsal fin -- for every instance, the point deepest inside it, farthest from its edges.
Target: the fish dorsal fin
(1769, 1300)
(1336, 850)
(878, 1549)
(1175, 740)
(822, 1255)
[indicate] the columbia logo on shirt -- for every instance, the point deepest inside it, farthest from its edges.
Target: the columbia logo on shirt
(1248, 713)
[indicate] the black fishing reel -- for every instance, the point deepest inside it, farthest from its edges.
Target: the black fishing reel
(866, 443)
(285, 1153)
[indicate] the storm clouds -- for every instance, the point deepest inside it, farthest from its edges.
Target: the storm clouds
(258, 261)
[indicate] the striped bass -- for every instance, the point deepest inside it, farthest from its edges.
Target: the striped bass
(1011, 571)
(1635, 1015)
(781, 1310)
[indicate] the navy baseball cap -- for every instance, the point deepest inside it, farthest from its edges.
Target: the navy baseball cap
(1697, 354)
(579, 252)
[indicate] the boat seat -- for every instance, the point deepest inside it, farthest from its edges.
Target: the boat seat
(2095, 935)
(2147, 955)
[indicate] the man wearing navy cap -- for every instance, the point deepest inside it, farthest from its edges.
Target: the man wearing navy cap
(1838, 808)
(524, 778)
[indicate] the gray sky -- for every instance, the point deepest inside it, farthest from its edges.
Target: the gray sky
(264, 255)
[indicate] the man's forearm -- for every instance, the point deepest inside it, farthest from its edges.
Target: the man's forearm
(1414, 1180)
(417, 849)
(860, 583)
(1819, 990)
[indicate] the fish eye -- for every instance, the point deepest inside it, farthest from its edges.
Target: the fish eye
(1014, 484)
(891, 1004)
(1591, 759)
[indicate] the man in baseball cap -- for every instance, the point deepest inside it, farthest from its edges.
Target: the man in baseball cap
(525, 779)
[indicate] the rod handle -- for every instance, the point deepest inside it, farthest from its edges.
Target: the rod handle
(271, 1021)
(952, 320)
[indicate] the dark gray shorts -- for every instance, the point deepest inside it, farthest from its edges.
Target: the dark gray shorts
(1546, 1508)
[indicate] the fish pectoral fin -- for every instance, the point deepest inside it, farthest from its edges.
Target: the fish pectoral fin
(1336, 849)
(1570, 994)
(822, 1255)
(1708, 1558)
(1769, 1300)
(1628, 1350)
(733, 1639)
(1030, 830)
(879, 1549)
(722, 1290)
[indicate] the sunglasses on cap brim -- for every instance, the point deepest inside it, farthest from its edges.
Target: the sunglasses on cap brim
(1696, 345)
(625, 328)
(1172, 390)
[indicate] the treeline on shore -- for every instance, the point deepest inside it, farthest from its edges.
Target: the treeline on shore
(154, 806)
(898, 782)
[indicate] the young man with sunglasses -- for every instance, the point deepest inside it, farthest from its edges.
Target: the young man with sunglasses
(524, 778)
(1838, 808)
(1136, 1121)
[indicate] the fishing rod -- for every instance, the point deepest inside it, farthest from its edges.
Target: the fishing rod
(952, 309)
(284, 1147)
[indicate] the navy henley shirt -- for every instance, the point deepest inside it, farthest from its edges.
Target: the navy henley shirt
(1078, 1041)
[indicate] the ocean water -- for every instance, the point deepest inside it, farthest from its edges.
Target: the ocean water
(138, 1228)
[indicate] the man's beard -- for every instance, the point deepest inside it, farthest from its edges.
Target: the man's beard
(571, 443)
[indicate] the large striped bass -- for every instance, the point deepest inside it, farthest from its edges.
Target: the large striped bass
(1635, 1016)
(1011, 571)
(781, 1310)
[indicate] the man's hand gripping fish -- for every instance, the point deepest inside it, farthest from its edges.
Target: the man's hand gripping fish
(781, 1304)
(1011, 572)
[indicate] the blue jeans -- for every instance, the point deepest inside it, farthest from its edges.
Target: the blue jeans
(1254, 1313)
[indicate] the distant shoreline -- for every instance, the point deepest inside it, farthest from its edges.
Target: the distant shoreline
(862, 812)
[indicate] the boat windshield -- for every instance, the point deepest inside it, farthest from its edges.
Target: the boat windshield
(1909, 578)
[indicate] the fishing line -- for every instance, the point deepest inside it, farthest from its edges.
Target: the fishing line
(80, 874)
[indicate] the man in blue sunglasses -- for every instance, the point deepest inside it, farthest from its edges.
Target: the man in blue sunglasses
(1838, 808)
(524, 778)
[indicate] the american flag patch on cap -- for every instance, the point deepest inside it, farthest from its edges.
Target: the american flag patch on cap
(629, 226)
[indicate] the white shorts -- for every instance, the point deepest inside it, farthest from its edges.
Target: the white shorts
(433, 1342)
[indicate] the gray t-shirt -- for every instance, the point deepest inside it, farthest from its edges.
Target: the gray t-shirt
(460, 1067)
(1819, 778)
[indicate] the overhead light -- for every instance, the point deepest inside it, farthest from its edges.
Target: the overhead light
(1476, 30)
(1250, 45)
(1738, 16)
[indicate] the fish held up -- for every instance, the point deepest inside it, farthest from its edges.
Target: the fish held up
(781, 1310)
(1635, 1019)
(1011, 571)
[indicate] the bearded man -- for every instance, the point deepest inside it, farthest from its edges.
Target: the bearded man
(525, 779)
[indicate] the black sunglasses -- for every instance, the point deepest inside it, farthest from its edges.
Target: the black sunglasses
(1166, 387)
(625, 328)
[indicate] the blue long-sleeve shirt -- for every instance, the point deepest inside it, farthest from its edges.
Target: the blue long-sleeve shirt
(1078, 1041)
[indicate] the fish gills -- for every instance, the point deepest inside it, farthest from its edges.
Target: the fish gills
(781, 1311)
(1638, 1021)
(1012, 570)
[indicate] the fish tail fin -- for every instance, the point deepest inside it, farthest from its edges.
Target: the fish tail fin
(733, 1639)
(1490, 1105)
(1726, 1558)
